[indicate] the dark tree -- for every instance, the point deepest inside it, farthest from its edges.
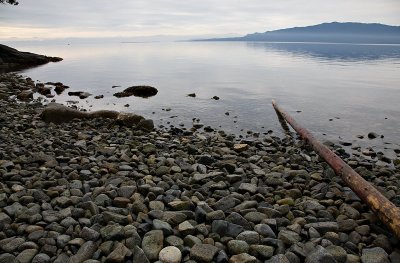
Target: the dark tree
(11, 2)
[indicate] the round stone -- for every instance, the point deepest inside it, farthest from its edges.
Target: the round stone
(170, 255)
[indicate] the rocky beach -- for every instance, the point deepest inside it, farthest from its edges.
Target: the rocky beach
(97, 190)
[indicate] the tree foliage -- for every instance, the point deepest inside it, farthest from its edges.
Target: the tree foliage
(11, 2)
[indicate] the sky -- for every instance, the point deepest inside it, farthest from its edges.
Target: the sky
(48, 19)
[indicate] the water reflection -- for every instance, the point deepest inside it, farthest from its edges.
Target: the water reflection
(339, 52)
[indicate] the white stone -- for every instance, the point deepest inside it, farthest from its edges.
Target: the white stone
(170, 255)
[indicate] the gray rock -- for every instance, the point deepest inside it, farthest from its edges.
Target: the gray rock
(41, 258)
(174, 241)
(289, 237)
(250, 237)
(119, 253)
(7, 258)
(338, 253)
(152, 244)
(323, 227)
(347, 225)
(85, 252)
(26, 256)
(62, 240)
(237, 247)
(262, 251)
(203, 253)
(89, 234)
(319, 254)
(112, 232)
(186, 228)
(149, 148)
(224, 228)
(395, 256)
(238, 219)
(242, 258)
(163, 226)
(102, 200)
(280, 258)
(265, 230)
(255, 217)
(226, 203)
(4, 220)
(246, 187)
(190, 240)
(9, 244)
(139, 256)
(117, 218)
(374, 255)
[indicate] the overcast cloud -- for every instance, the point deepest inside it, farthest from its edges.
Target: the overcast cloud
(101, 18)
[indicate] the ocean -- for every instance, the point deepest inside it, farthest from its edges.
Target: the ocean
(338, 91)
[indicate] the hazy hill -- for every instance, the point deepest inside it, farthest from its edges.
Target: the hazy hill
(334, 32)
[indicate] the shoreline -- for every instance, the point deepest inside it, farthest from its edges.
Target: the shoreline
(96, 190)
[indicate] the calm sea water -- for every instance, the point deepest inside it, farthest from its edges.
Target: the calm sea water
(336, 91)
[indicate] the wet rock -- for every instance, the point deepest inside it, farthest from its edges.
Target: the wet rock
(138, 91)
(25, 95)
(372, 135)
(81, 94)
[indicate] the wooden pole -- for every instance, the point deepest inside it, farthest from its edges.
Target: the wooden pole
(387, 212)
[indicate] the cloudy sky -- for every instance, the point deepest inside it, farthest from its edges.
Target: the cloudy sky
(124, 18)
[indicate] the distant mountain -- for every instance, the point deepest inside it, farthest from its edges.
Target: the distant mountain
(334, 32)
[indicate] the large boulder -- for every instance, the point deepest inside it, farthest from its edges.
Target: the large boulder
(12, 59)
(138, 91)
(58, 113)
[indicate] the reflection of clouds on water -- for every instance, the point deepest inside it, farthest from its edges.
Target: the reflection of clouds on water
(326, 51)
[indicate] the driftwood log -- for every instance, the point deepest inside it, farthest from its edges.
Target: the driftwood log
(58, 113)
(387, 212)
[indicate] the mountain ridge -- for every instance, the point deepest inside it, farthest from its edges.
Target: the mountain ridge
(333, 32)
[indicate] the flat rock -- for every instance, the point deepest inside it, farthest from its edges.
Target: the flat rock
(203, 253)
